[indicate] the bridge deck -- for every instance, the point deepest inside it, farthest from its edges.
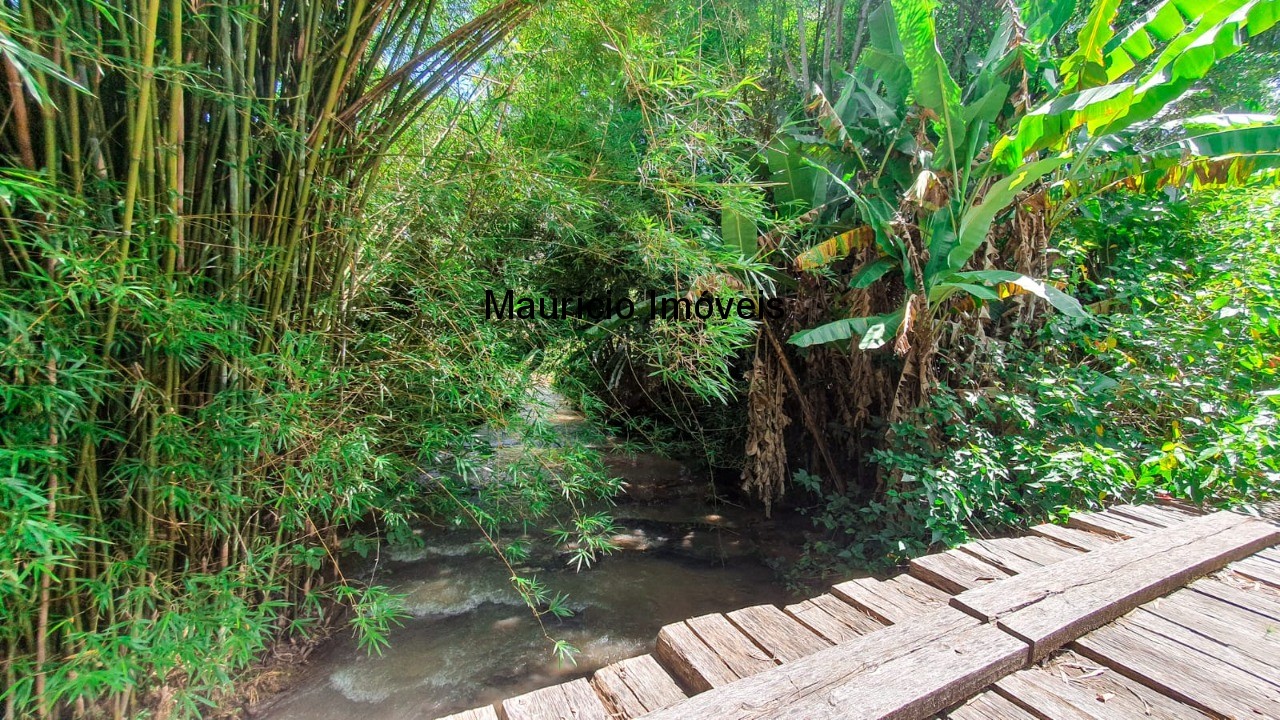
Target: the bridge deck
(1110, 616)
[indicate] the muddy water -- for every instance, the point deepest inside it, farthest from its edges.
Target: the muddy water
(469, 640)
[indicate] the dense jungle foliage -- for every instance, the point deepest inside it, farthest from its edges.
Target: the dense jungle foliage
(1027, 251)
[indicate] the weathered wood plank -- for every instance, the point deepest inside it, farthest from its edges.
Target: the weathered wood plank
(1259, 569)
(1160, 516)
(955, 571)
(1109, 524)
(919, 590)
(847, 614)
(574, 700)
(1075, 537)
(1033, 690)
(905, 671)
(781, 636)
(882, 601)
(809, 614)
(1255, 600)
(1105, 688)
(635, 686)
(484, 713)
(995, 554)
(1071, 688)
(731, 645)
(1253, 635)
(694, 665)
(1239, 655)
(991, 602)
(1054, 604)
(1209, 613)
(891, 601)
(1039, 550)
(582, 703)
(1270, 555)
(832, 618)
(1178, 671)
(989, 706)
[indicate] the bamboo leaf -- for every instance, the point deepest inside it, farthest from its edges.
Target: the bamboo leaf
(739, 232)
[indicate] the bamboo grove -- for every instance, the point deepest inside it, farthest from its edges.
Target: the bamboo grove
(209, 215)
(181, 199)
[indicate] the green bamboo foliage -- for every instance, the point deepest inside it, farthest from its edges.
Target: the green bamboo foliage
(181, 187)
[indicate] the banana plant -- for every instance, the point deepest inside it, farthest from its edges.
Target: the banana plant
(922, 169)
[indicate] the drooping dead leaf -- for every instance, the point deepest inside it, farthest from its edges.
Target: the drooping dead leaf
(832, 249)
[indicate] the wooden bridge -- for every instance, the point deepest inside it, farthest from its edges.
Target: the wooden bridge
(1135, 612)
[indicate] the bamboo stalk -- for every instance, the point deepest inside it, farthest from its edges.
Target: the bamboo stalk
(198, 170)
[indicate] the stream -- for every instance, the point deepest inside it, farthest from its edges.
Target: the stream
(469, 640)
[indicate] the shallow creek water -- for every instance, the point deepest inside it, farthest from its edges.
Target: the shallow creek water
(470, 641)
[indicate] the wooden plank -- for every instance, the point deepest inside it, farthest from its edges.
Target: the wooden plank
(780, 635)
(905, 671)
(1074, 537)
(1180, 504)
(1240, 630)
(484, 713)
(1001, 557)
(1057, 603)
(1270, 555)
(1253, 600)
(812, 616)
(1041, 551)
(919, 590)
(847, 614)
(1180, 672)
(574, 700)
(1037, 691)
(1104, 686)
(737, 650)
(694, 665)
(891, 601)
(1221, 610)
(635, 686)
(582, 702)
(882, 601)
(1142, 522)
(1238, 657)
(955, 571)
(1259, 569)
(989, 706)
(1109, 524)
(991, 602)
(1072, 687)
(832, 618)
(1160, 516)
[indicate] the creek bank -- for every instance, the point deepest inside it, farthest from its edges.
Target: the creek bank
(469, 639)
